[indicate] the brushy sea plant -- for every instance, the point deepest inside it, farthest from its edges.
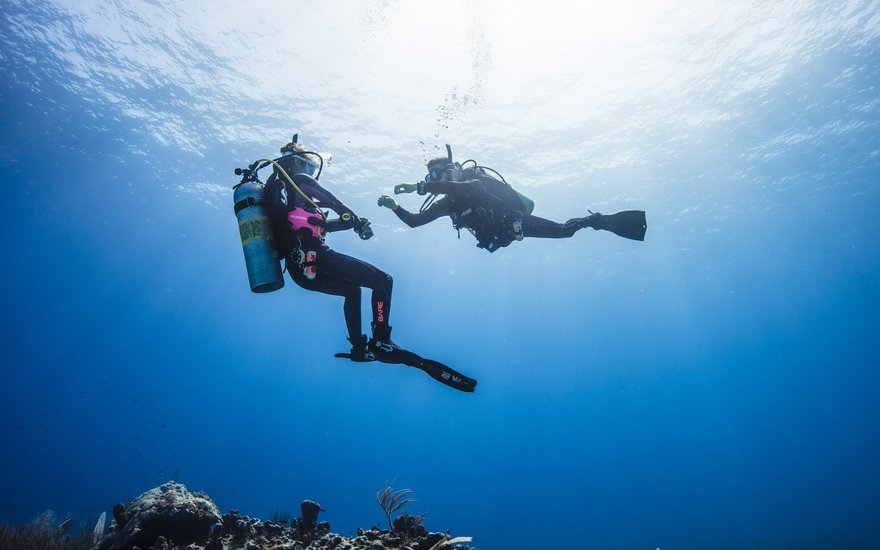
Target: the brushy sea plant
(392, 501)
(86, 523)
(39, 537)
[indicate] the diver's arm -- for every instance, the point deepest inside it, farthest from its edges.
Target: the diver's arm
(441, 208)
(342, 223)
(442, 187)
(325, 199)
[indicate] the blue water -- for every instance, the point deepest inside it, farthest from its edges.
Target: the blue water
(713, 387)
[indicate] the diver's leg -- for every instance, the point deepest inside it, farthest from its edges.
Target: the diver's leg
(327, 283)
(630, 224)
(542, 228)
(360, 273)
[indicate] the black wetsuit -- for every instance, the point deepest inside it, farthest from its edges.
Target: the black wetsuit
(489, 209)
(337, 274)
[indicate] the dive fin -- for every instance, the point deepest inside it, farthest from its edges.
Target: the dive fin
(436, 370)
(445, 375)
(629, 224)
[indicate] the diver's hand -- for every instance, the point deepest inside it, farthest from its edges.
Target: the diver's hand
(405, 188)
(388, 202)
(363, 228)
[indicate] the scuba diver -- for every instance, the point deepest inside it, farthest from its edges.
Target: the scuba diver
(294, 203)
(300, 233)
(493, 211)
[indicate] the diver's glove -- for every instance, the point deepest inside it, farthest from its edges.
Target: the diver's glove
(406, 188)
(363, 229)
(388, 202)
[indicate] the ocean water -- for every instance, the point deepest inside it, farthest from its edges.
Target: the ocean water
(712, 387)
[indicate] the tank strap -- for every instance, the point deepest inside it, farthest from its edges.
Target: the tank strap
(246, 203)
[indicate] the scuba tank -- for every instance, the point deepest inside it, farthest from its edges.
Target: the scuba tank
(260, 253)
(252, 209)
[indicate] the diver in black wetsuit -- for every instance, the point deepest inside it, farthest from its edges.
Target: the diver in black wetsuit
(315, 266)
(493, 211)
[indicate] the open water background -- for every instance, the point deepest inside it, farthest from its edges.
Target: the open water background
(712, 387)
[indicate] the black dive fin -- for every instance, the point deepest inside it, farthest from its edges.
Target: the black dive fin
(448, 376)
(436, 370)
(629, 224)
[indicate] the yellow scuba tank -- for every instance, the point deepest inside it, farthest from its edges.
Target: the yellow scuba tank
(260, 253)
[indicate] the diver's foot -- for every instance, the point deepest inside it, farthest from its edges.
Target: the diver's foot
(381, 342)
(594, 220)
(362, 356)
(383, 347)
(629, 224)
(360, 351)
(387, 351)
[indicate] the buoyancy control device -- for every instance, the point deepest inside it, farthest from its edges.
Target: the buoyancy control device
(495, 209)
(261, 255)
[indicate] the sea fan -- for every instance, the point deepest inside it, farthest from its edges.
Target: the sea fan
(392, 501)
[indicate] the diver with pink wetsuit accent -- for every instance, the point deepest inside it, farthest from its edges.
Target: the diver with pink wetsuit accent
(295, 205)
(315, 266)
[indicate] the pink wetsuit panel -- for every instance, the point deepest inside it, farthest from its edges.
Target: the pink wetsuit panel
(299, 218)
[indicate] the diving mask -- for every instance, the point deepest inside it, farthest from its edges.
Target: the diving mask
(439, 172)
(297, 164)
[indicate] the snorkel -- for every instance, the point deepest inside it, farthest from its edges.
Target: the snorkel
(448, 171)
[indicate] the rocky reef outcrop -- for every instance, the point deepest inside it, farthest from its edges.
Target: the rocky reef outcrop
(169, 511)
(170, 517)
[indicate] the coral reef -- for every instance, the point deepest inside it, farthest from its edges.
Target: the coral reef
(409, 527)
(169, 517)
(169, 510)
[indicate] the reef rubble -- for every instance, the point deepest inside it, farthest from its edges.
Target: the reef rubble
(170, 517)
